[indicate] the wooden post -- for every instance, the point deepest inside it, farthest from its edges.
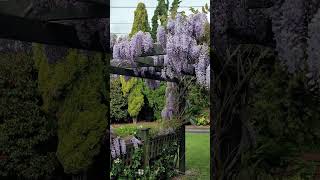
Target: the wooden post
(146, 146)
(182, 149)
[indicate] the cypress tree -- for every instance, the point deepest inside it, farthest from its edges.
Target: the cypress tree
(174, 8)
(160, 13)
(140, 22)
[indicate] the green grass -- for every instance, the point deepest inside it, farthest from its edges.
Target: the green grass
(198, 155)
(124, 130)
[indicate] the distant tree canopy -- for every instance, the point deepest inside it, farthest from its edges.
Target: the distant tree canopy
(26, 133)
(140, 22)
(74, 92)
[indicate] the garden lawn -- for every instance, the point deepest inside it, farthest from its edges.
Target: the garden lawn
(124, 130)
(198, 155)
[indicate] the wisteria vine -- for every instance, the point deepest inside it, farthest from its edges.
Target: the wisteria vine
(185, 51)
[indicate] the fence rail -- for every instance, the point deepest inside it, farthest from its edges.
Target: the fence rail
(153, 146)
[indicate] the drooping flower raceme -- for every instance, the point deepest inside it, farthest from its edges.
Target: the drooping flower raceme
(184, 52)
(162, 36)
(123, 146)
(116, 146)
(184, 49)
(130, 49)
(136, 142)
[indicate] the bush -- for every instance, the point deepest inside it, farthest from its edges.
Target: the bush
(74, 93)
(202, 120)
(118, 102)
(26, 133)
(156, 99)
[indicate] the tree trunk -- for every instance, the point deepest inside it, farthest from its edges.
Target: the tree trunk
(135, 120)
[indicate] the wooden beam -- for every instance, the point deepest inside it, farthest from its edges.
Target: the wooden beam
(102, 2)
(92, 11)
(18, 28)
(130, 72)
(157, 50)
(257, 4)
(82, 10)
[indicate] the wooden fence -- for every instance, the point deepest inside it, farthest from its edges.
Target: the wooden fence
(152, 147)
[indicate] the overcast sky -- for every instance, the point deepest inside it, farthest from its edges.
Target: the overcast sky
(122, 12)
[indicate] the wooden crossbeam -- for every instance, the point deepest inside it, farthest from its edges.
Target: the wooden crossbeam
(18, 28)
(93, 11)
(130, 72)
(257, 4)
(144, 62)
(83, 10)
(102, 2)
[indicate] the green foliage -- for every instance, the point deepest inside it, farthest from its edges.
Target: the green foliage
(140, 22)
(174, 8)
(119, 170)
(135, 100)
(127, 85)
(156, 98)
(126, 130)
(198, 98)
(73, 91)
(205, 9)
(203, 119)
(160, 13)
(283, 111)
(25, 131)
(164, 166)
(118, 102)
(161, 168)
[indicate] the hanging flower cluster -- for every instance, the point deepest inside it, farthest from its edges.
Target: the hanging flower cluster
(182, 41)
(130, 49)
(184, 48)
(118, 146)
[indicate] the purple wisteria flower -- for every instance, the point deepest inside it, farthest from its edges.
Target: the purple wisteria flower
(162, 36)
(116, 146)
(136, 142)
(123, 146)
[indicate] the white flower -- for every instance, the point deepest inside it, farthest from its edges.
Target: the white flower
(140, 172)
(117, 161)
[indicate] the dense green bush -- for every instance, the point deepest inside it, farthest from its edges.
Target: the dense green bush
(198, 98)
(26, 133)
(161, 168)
(203, 119)
(156, 99)
(135, 101)
(283, 111)
(74, 92)
(118, 102)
